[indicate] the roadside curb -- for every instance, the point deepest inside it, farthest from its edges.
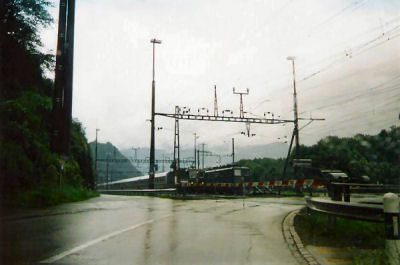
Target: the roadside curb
(299, 251)
(18, 217)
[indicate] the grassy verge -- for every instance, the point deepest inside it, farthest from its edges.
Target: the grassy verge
(366, 239)
(45, 196)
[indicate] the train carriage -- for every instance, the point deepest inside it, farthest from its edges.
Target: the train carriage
(160, 181)
(223, 179)
(227, 175)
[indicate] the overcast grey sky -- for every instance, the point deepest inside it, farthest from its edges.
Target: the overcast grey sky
(347, 66)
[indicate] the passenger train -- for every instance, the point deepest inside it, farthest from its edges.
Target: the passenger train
(230, 179)
(221, 175)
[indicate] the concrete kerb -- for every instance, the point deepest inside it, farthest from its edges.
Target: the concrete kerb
(299, 251)
(41, 213)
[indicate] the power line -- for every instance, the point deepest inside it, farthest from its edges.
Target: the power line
(361, 93)
(343, 124)
(357, 51)
(337, 14)
(259, 104)
(349, 100)
(378, 109)
(380, 67)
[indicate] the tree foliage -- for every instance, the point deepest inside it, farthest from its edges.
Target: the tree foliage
(24, 141)
(377, 156)
(26, 161)
(262, 169)
(23, 62)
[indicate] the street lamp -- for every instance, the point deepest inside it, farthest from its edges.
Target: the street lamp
(153, 87)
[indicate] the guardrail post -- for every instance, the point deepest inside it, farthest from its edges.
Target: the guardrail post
(336, 192)
(310, 190)
(391, 209)
(346, 191)
(332, 221)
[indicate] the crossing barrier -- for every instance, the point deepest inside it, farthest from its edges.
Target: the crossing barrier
(299, 183)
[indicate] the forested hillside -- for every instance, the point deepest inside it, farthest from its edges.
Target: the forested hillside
(30, 172)
(115, 170)
(376, 156)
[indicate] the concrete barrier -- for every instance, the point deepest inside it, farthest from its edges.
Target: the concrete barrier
(391, 210)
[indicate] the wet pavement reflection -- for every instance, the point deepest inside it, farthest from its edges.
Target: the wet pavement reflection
(148, 230)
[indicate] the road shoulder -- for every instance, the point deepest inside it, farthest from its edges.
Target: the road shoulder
(299, 251)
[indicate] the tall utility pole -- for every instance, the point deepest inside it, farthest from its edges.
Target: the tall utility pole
(198, 159)
(195, 138)
(69, 72)
(241, 101)
(62, 99)
(108, 160)
(202, 156)
(215, 101)
(163, 162)
(296, 118)
(95, 158)
(233, 150)
(295, 133)
(153, 88)
(112, 165)
(176, 147)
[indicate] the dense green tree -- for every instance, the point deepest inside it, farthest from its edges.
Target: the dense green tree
(26, 161)
(22, 60)
(24, 141)
(263, 169)
(377, 157)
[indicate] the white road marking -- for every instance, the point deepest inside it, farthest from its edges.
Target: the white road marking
(95, 241)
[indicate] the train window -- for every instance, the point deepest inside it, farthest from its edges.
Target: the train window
(237, 173)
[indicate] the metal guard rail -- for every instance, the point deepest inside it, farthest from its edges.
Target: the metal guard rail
(369, 187)
(357, 211)
(138, 191)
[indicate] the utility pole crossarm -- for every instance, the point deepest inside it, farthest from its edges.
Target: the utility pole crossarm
(311, 119)
(222, 118)
(126, 160)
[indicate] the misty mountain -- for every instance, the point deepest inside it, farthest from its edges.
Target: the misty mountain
(143, 153)
(115, 171)
(220, 155)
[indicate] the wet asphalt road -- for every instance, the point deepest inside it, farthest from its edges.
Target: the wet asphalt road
(146, 230)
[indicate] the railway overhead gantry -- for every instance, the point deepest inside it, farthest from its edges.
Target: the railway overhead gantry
(185, 115)
(195, 117)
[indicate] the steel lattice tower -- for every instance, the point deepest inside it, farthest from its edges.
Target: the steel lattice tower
(215, 101)
(241, 101)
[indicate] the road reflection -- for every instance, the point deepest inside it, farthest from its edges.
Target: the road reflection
(147, 246)
(161, 237)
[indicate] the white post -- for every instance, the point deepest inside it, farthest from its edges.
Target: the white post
(391, 209)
